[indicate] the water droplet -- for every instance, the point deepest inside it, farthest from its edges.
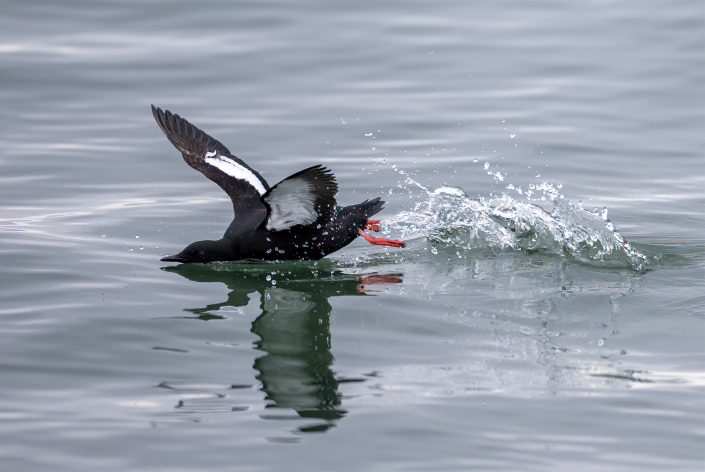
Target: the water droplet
(103, 235)
(274, 282)
(137, 237)
(601, 342)
(141, 248)
(512, 135)
(434, 250)
(268, 278)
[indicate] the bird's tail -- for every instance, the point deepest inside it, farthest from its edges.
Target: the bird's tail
(367, 208)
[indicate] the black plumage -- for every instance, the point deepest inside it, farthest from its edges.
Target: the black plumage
(298, 218)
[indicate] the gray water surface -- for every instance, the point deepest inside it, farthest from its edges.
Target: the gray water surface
(477, 347)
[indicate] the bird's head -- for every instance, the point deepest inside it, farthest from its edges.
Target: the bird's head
(201, 251)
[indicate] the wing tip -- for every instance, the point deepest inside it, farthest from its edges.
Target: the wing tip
(186, 137)
(165, 121)
(320, 175)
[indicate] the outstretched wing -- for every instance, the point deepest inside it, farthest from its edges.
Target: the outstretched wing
(208, 156)
(306, 198)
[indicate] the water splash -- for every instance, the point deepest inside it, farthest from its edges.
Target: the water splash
(449, 216)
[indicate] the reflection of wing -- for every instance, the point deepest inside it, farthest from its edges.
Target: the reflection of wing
(208, 156)
(305, 198)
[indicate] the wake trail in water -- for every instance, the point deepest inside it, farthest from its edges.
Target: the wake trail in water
(449, 216)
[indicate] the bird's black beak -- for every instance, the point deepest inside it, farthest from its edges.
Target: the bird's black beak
(174, 258)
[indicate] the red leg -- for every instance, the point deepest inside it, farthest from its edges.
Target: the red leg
(372, 225)
(380, 241)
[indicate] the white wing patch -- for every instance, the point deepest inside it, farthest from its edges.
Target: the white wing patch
(292, 203)
(233, 169)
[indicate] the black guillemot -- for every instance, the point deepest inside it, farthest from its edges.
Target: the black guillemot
(297, 219)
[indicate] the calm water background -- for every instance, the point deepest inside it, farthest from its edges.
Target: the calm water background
(427, 358)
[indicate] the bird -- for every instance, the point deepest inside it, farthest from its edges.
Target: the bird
(296, 219)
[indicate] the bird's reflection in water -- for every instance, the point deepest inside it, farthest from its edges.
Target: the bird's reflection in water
(294, 329)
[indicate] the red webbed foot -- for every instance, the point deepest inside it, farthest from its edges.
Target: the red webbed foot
(380, 241)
